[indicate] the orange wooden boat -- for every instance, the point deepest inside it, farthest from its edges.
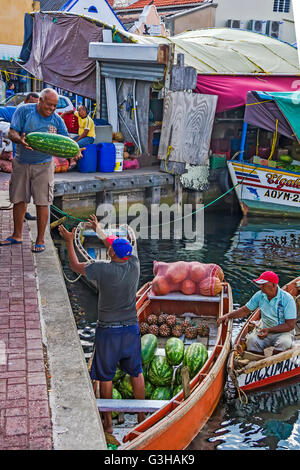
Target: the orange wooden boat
(175, 424)
(250, 372)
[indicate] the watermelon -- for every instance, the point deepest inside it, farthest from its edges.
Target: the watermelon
(177, 390)
(285, 159)
(116, 396)
(194, 358)
(53, 144)
(161, 393)
(125, 387)
(149, 344)
(174, 349)
(118, 375)
(160, 371)
(149, 389)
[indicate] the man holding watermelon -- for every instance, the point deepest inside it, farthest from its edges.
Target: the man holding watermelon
(33, 171)
(118, 339)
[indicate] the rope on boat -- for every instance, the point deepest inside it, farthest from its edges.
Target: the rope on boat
(71, 280)
(234, 380)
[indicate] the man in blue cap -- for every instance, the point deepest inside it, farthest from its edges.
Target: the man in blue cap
(118, 340)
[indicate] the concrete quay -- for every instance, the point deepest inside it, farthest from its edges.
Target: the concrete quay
(46, 397)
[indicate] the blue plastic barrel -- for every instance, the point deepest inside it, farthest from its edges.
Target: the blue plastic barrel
(88, 162)
(106, 157)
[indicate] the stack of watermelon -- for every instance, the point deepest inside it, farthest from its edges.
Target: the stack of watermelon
(162, 374)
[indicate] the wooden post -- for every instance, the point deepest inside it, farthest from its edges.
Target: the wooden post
(111, 91)
(98, 89)
(178, 193)
(185, 377)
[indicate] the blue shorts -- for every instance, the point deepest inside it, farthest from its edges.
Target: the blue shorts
(114, 347)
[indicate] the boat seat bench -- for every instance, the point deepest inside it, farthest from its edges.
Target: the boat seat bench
(130, 406)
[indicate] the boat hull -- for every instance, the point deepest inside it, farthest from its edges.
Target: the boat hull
(174, 426)
(268, 371)
(281, 371)
(266, 191)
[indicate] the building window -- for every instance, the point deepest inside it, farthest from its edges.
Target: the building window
(282, 6)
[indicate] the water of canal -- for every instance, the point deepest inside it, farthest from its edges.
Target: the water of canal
(243, 248)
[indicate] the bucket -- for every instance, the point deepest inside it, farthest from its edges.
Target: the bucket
(106, 157)
(88, 162)
(119, 156)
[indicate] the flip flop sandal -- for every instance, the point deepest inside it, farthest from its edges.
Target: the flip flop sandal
(35, 250)
(11, 241)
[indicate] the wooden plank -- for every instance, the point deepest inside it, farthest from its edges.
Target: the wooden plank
(183, 78)
(185, 377)
(130, 406)
(187, 126)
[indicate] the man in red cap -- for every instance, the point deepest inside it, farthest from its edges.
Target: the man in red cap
(118, 339)
(278, 315)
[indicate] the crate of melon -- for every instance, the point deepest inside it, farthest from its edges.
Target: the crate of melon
(189, 278)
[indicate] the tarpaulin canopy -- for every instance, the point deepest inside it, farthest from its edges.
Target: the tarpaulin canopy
(225, 51)
(274, 111)
(60, 51)
(232, 90)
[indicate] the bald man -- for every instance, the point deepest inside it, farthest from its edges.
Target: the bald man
(33, 171)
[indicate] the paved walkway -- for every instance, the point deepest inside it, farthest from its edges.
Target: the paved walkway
(39, 412)
(25, 421)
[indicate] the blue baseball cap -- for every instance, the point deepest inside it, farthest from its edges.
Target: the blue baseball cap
(121, 247)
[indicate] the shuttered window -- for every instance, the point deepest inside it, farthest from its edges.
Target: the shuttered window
(282, 6)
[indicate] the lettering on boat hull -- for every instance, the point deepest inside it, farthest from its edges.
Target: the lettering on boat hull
(285, 368)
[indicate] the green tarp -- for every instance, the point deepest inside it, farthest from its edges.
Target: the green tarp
(289, 105)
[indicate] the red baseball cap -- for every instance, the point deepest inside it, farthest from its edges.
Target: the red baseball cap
(267, 276)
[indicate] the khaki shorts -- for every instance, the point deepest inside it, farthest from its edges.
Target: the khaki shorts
(36, 181)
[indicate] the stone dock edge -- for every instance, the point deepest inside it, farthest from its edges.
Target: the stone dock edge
(76, 423)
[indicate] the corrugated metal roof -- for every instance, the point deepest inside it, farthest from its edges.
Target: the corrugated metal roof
(140, 4)
(51, 5)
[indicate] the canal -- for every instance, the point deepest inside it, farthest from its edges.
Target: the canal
(243, 248)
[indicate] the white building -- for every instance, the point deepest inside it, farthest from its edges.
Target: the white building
(272, 17)
(101, 10)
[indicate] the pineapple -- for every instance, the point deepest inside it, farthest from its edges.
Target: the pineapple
(191, 331)
(203, 330)
(153, 329)
(177, 330)
(164, 330)
(171, 320)
(162, 318)
(152, 319)
(186, 323)
(144, 328)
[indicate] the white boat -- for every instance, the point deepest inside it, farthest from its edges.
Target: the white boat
(90, 247)
(266, 187)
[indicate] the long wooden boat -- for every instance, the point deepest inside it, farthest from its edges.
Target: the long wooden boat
(174, 423)
(250, 372)
(264, 190)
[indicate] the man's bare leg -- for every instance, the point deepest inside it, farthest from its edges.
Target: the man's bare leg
(106, 392)
(42, 216)
(138, 385)
(19, 210)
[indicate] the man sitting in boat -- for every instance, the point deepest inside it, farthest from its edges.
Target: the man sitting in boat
(278, 316)
(118, 339)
